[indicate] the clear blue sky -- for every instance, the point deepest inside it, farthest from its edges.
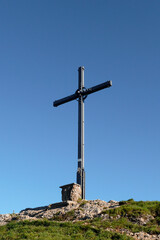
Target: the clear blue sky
(42, 44)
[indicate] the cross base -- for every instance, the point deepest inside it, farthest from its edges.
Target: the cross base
(71, 192)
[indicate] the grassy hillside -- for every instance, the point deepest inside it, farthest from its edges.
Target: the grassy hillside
(47, 230)
(130, 217)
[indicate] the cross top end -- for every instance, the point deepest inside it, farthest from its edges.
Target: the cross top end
(82, 67)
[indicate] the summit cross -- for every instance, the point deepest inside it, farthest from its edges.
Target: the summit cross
(81, 94)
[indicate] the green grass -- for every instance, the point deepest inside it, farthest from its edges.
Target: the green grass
(69, 216)
(95, 229)
(130, 210)
(83, 202)
(47, 230)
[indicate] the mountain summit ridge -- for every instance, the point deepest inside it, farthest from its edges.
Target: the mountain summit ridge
(137, 220)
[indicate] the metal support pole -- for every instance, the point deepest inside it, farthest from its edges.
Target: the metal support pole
(80, 171)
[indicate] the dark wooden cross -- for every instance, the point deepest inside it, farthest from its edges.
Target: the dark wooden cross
(81, 95)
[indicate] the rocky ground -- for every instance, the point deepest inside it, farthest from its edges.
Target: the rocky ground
(70, 210)
(76, 211)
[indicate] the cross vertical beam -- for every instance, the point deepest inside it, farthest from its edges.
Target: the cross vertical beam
(80, 170)
(80, 95)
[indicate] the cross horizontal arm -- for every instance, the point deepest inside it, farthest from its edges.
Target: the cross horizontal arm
(84, 92)
(97, 88)
(65, 100)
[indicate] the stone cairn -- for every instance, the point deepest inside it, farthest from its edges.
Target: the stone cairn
(71, 192)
